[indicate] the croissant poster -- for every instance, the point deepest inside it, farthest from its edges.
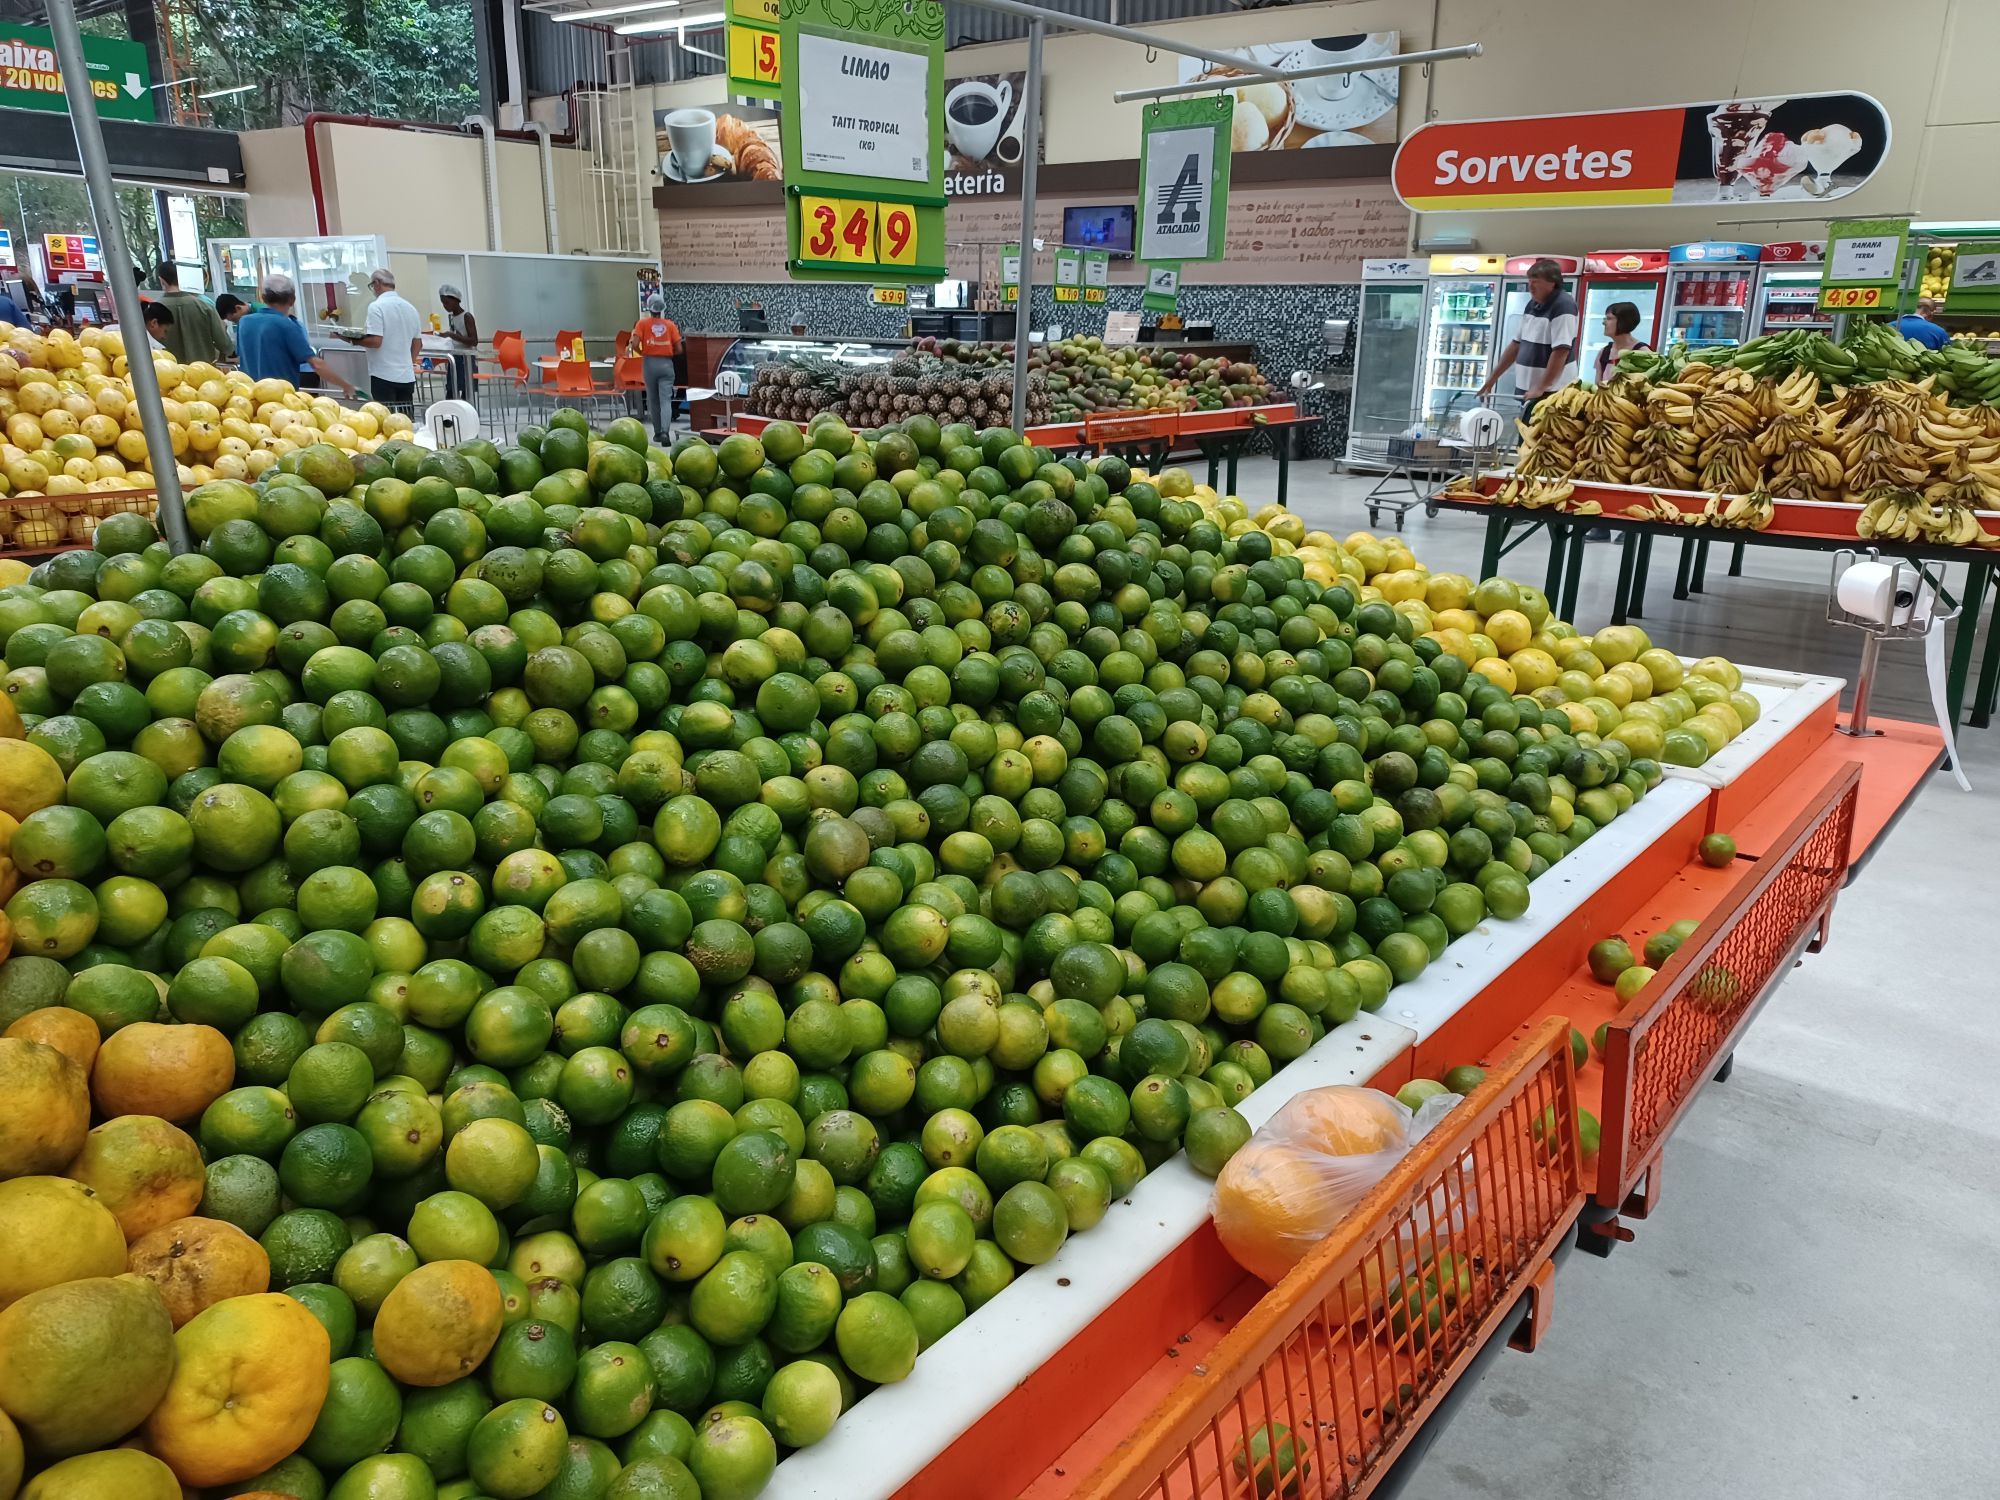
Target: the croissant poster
(700, 145)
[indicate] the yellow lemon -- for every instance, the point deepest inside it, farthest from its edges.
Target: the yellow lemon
(250, 1378)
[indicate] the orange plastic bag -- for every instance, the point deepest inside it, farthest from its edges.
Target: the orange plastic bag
(1310, 1163)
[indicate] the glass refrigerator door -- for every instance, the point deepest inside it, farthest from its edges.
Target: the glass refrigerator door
(1386, 353)
(1709, 305)
(1787, 300)
(1514, 298)
(1459, 344)
(1597, 296)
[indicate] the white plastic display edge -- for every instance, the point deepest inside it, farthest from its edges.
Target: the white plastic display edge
(1787, 699)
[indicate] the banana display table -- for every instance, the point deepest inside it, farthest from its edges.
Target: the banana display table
(1802, 525)
(1143, 1364)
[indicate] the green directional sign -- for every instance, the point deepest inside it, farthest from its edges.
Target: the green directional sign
(120, 76)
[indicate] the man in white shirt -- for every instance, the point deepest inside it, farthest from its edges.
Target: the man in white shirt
(391, 339)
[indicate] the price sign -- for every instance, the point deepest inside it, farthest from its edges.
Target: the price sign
(889, 296)
(1096, 275)
(863, 136)
(1163, 289)
(754, 68)
(1069, 275)
(1864, 263)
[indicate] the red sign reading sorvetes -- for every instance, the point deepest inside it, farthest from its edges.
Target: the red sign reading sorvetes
(1807, 146)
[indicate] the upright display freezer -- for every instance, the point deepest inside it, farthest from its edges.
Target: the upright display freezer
(1787, 294)
(1461, 332)
(1635, 276)
(1709, 292)
(1387, 345)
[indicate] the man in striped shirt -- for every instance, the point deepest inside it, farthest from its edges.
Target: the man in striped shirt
(1542, 354)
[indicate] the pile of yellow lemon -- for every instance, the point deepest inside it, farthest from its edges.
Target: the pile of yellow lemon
(71, 426)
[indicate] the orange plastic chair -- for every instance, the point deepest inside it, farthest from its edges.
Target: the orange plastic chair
(624, 342)
(511, 354)
(573, 385)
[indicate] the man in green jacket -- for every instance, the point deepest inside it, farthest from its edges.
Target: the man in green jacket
(197, 334)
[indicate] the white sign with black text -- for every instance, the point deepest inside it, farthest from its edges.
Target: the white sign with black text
(1174, 200)
(864, 111)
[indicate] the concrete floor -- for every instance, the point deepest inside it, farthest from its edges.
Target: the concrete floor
(1812, 1310)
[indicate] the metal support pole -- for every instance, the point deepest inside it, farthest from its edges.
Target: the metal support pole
(118, 263)
(1031, 152)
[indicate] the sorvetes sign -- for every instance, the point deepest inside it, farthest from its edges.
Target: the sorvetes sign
(1786, 149)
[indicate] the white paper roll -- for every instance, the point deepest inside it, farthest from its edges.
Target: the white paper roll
(1868, 591)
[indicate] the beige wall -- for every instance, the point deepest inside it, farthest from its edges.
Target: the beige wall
(1929, 62)
(414, 188)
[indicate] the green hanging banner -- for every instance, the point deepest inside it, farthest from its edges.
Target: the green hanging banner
(1096, 275)
(1163, 289)
(863, 128)
(1069, 275)
(1184, 179)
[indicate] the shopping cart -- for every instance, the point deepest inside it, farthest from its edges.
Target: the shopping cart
(1454, 443)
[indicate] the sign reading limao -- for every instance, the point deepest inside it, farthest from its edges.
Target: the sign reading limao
(1184, 179)
(1864, 264)
(863, 127)
(121, 80)
(754, 66)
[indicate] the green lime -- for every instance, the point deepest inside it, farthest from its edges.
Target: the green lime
(732, 1458)
(683, 1367)
(362, 1410)
(326, 1166)
(454, 1226)
(733, 1299)
(303, 1245)
(437, 1424)
(241, 1190)
(516, 1448)
(613, 1389)
(877, 1338)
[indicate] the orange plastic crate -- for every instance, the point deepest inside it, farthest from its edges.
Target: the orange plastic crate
(1355, 1348)
(1657, 1058)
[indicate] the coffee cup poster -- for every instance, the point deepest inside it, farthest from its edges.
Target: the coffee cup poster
(984, 131)
(1348, 109)
(718, 143)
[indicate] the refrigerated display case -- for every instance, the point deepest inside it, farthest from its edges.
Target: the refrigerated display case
(1461, 332)
(1387, 348)
(1709, 288)
(1787, 295)
(1514, 299)
(1635, 276)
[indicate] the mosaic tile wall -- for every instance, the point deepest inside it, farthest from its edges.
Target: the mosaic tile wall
(1284, 321)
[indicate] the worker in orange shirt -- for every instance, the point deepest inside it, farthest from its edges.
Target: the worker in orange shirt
(656, 339)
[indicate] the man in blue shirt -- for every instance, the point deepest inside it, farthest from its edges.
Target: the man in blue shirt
(1918, 325)
(270, 344)
(10, 312)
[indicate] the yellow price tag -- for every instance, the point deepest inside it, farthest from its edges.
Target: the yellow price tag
(753, 55)
(1093, 294)
(1066, 294)
(1013, 294)
(757, 12)
(891, 296)
(857, 232)
(896, 242)
(819, 227)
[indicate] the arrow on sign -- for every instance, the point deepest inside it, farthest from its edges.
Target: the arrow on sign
(133, 86)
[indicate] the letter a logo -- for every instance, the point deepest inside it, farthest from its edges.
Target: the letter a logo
(1183, 194)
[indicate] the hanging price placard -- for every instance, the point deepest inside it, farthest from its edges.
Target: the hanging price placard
(1010, 274)
(1096, 275)
(863, 127)
(1864, 263)
(1163, 289)
(1184, 179)
(754, 61)
(1069, 275)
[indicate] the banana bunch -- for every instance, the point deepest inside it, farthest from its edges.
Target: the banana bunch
(1963, 372)
(1801, 456)
(1881, 353)
(1797, 350)
(1797, 395)
(1731, 465)
(1904, 516)
(1604, 454)
(1549, 442)
(1962, 500)
(1535, 494)
(1667, 457)
(1959, 451)
(1751, 512)
(1731, 405)
(1659, 508)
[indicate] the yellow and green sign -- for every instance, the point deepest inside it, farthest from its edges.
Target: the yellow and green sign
(120, 77)
(1864, 264)
(863, 127)
(754, 67)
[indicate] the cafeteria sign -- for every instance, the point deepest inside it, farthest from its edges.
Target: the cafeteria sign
(121, 79)
(1788, 149)
(1184, 179)
(863, 125)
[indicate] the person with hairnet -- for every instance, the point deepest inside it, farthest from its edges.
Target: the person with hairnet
(656, 339)
(463, 331)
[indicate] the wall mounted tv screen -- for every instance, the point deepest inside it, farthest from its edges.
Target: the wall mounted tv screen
(1104, 227)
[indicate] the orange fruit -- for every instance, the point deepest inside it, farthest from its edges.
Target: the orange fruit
(438, 1323)
(82, 1363)
(1344, 1120)
(174, 1072)
(47, 1108)
(54, 1230)
(147, 1171)
(250, 1378)
(196, 1263)
(70, 1032)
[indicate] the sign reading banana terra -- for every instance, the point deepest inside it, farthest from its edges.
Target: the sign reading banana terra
(1778, 150)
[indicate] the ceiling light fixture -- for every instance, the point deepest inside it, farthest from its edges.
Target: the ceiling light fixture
(628, 8)
(241, 88)
(671, 23)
